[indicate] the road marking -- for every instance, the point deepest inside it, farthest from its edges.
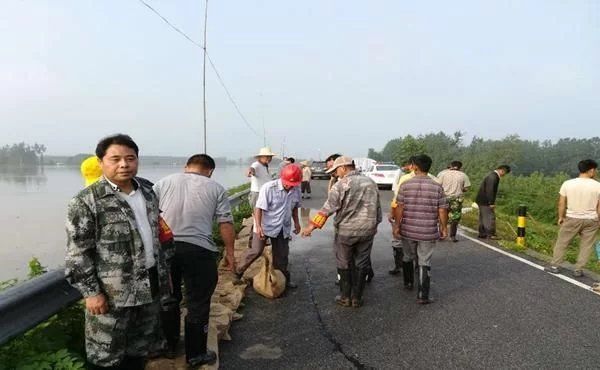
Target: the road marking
(532, 264)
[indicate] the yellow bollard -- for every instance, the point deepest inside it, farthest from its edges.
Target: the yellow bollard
(521, 224)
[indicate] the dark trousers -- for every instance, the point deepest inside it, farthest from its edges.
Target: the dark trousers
(197, 267)
(305, 187)
(487, 221)
(280, 248)
(353, 251)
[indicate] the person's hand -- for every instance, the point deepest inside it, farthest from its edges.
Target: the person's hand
(297, 229)
(307, 231)
(443, 232)
(230, 262)
(396, 232)
(391, 217)
(250, 172)
(260, 232)
(96, 305)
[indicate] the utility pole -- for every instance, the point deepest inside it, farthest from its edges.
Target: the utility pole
(204, 72)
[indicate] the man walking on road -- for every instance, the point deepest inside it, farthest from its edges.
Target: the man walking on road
(455, 184)
(578, 214)
(191, 202)
(276, 207)
(420, 220)
(486, 201)
(306, 177)
(114, 259)
(354, 199)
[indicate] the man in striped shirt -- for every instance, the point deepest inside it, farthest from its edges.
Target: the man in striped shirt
(420, 220)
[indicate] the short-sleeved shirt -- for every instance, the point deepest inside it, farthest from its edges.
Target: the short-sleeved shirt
(277, 205)
(404, 178)
(191, 203)
(582, 196)
(262, 175)
(453, 182)
(306, 174)
(421, 198)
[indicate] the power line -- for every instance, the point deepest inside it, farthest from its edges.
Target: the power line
(212, 64)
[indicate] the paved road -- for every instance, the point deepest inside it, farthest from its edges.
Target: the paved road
(490, 312)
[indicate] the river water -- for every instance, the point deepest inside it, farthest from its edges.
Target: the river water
(34, 210)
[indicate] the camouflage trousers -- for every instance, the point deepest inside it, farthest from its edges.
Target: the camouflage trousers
(455, 208)
(122, 332)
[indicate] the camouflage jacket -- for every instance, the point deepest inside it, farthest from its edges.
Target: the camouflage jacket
(355, 201)
(105, 253)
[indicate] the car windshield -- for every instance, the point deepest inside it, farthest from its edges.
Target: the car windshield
(389, 167)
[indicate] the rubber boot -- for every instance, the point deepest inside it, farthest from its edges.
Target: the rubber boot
(345, 288)
(397, 261)
(196, 338)
(370, 274)
(358, 286)
(409, 275)
(288, 281)
(171, 325)
(424, 281)
(453, 230)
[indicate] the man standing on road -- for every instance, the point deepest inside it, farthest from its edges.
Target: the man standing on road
(114, 259)
(420, 220)
(306, 177)
(191, 202)
(486, 201)
(455, 184)
(276, 207)
(578, 214)
(259, 173)
(355, 201)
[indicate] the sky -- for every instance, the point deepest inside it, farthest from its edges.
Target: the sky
(315, 76)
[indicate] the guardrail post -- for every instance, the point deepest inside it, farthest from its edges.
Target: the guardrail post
(521, 225)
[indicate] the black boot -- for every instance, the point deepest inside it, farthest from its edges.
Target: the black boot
(408, 273)
(345, 288)
(398, 254)
(358, 285)
(370, 274)
(453, 230)
(171, 325)
(424, 281)
(196, 338)
(288, 281)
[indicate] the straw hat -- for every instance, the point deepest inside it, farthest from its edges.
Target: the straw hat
(304, 163)
(265, 152)
(90, 170)
(339, 162)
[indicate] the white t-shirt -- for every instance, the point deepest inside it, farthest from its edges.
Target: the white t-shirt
(261, 176)
(582, 197)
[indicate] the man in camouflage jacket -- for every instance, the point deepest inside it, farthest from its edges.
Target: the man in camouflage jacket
(115, 260)
(354, 199)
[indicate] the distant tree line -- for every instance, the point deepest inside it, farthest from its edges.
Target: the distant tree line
(22, 155)
(482, 155)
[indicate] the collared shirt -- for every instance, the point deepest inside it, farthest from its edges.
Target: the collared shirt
(136, 201)
(261, 176)
(191, 203)
(421, 198)
(453, 182)
(583, 195)
(277, 205)
(404, 178)
(355, 201)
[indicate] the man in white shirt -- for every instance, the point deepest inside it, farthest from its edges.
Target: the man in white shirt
(578, 210)
(455, 184)
(259, 173)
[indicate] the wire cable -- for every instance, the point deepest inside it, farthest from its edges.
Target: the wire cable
(212, 64)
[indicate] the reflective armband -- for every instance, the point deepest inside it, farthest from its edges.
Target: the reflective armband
(165, 234)
(394, 204)
(319, 220)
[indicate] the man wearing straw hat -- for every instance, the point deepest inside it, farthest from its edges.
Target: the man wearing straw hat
(306, 176)
(259, 173)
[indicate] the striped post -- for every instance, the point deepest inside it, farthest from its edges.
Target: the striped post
(521, 224)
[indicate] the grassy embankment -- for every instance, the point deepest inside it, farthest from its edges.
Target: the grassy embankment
(540, 194)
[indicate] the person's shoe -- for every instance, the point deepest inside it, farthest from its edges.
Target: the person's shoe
(408, 271)
(208, 358)
(482, 236)
(454, 239)
(494, 237)
(578, 273)
(423, 285)
(397, 262)
(343, 301)
(552, 269)
(356, 303)
(308, 197)
(196, 338)
(370, 275)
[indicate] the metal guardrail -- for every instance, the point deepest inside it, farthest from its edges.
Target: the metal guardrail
(28, 304)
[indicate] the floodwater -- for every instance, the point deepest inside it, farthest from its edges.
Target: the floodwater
(34, 209)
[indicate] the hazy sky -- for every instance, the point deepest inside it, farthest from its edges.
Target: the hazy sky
(334, 76)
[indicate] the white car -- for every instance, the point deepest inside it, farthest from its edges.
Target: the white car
(384, 174)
